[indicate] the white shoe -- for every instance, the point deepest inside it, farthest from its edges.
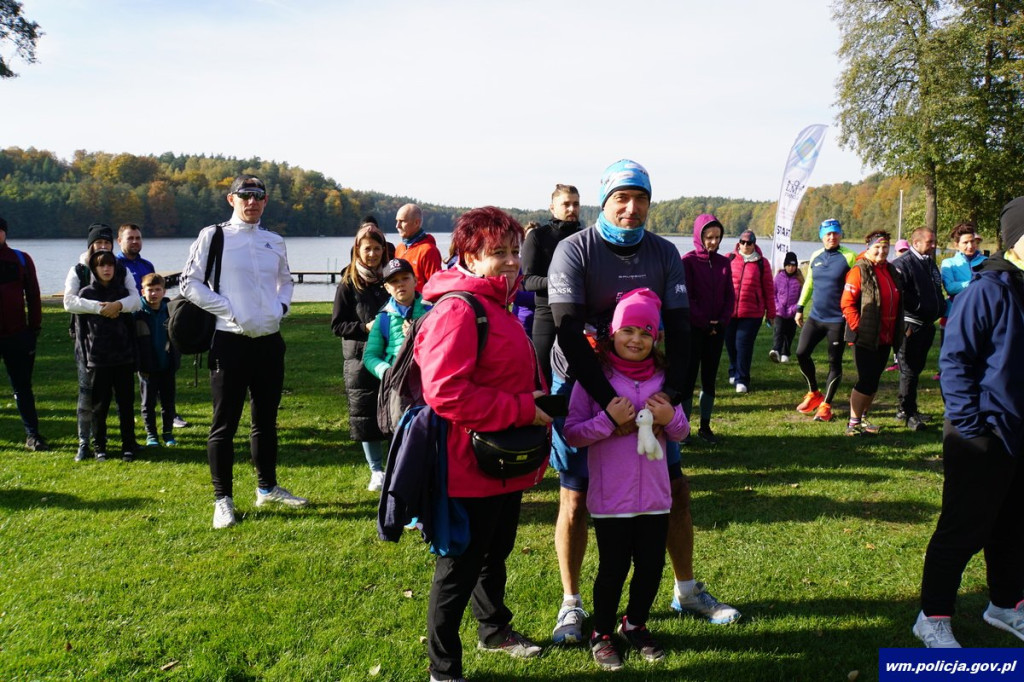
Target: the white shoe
(569, 625)
(936, 632)
(700, 603)
(224, 513)
(732, 381)
(784, 358)
(1011, 620)
(773, 355)
(281, 496)
(741, 388)
(376, 481)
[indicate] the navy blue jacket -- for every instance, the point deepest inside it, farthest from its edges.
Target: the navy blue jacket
(982, 382)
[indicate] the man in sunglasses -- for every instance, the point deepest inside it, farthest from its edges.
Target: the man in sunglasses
(247, 353)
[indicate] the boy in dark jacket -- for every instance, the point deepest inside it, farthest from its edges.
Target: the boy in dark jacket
(158, 361)
(105, 347)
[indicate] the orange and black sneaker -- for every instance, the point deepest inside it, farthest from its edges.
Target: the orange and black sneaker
(823, 413)
(810, 402)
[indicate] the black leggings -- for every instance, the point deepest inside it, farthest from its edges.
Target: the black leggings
(870, 364)
(636, 540)
(543, 337)
(810, 336)
(705, 355)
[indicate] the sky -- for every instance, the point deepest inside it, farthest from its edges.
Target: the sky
(452, 102)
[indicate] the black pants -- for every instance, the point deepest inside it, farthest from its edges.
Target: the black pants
(705, 356)
(810, 336)
(784, 330)
(638, 541)
(239, 364)
(19, 355)
(911, 357)
(543, 337)
(870, 364)
(116, 381)
(158, 385)
(478, 575)
(980, 511)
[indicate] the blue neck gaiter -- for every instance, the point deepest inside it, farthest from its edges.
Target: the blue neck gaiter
(415, 238)
(619, 236)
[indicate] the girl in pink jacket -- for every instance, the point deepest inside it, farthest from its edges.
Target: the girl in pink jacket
(629, 495)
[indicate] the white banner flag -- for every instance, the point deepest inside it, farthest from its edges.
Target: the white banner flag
(799, 165)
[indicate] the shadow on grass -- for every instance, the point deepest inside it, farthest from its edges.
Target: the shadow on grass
(20, 499)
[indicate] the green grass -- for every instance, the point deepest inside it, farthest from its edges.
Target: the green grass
(111, 570)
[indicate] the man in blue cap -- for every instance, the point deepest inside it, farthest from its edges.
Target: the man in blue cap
(589, 272)
(823, 289)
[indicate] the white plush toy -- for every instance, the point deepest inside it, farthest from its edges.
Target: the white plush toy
(646, 443)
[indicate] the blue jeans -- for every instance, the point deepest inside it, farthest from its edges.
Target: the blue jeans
(739, 342)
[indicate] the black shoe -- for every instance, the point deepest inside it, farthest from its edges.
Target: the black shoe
(914, 423)
(101, 456)
(36, 443)
(83, 453)
(923, 418)
(901, 416)
(640, 639)
(707, 436)
(127, 456)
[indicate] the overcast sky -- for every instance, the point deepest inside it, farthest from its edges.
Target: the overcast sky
(456, 102)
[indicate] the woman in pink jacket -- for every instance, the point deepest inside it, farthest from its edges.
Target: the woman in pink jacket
(629, 495)
(755, 301)
(490, 392)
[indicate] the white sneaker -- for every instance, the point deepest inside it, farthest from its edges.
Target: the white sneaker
(732, 381)
(741, 388)
(569, 626)
(936, 632)
(224, 513)
(281, 496)
(1011, 620)
(773, 355)
(701, 603)
(784, 358)
(376, 481)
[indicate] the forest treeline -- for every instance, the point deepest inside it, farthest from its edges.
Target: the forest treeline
(173, 195)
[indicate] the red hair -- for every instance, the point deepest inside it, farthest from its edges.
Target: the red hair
(484, 228)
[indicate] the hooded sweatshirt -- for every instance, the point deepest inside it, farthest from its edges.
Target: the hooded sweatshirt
(708, 280)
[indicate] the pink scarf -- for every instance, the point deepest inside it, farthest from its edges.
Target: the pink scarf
(637, 371)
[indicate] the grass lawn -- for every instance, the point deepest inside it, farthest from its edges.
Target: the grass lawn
(112, 571)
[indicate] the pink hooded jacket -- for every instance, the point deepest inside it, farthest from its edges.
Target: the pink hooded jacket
(755, 290)
(487, 393)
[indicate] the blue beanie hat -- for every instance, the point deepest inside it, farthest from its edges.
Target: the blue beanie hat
(829, 226)
(622, 175)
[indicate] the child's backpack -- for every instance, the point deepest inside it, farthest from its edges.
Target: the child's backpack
(401, 386)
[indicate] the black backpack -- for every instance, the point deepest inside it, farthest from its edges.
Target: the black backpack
(401, 386)
(190, 328)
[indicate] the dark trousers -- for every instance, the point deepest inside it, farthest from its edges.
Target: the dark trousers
(911, 356)
(239, 364)
(153, 386)
(114, 382)
(784, 330)
(638, 541)
(18, 353)
(543, 337)
(705, 356)
(870, 363)
(980, 511)
(739, 342)
(810, 336)
(477, 576)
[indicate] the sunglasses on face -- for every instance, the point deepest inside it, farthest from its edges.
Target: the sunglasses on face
(745, 242)
(245, 194)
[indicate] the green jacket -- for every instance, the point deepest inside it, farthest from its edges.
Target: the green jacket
(383, 344)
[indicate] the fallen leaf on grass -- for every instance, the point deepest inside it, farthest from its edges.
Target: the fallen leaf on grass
(854, 674)
(167, 666)
(869, 546)
(67, 646)
(423, 639)
(847, 530)
(374, 671)
(407, 594)
(794, 485)
(527, 550)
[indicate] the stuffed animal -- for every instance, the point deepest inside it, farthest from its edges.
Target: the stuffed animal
(646, 443)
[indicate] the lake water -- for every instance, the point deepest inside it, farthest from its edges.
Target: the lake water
(54, 257)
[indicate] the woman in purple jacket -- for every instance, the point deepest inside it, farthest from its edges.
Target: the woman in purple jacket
(709, 284)
(788, 283)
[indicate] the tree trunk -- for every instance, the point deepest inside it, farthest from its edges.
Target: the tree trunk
(930, 202)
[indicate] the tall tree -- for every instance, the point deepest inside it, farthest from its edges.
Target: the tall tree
(890, 89)
(18, 30)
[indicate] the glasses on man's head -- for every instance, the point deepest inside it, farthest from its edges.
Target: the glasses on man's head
(245, 194)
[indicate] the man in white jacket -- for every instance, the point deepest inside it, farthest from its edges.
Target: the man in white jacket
(247, 353)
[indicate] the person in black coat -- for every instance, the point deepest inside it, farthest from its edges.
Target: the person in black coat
(359, 297)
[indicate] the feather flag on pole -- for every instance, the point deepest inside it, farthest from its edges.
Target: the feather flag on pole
(799, 165)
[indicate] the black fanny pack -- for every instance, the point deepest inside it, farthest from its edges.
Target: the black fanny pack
(511, 452)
